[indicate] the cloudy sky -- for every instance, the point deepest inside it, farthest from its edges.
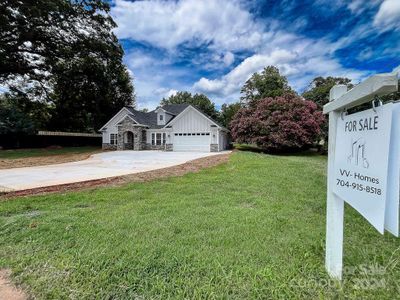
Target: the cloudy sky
(213, 46)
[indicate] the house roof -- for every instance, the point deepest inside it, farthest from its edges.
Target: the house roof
(145, 118)
(150, 118)
(174, 109)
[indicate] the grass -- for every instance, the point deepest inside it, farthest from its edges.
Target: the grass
(251, 228)
(37, 152)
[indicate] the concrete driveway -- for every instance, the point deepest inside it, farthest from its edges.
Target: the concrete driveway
(97, 166)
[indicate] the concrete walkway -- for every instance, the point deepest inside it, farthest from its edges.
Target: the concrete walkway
(98, 166)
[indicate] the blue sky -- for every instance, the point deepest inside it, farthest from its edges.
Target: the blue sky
(213, 46)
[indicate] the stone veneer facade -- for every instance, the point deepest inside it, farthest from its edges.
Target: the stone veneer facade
(139, 135)
(213, 147)
(154, 147)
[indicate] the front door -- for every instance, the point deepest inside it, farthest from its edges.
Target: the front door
(128, 140)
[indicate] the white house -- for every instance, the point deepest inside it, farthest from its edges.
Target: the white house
(175, 127)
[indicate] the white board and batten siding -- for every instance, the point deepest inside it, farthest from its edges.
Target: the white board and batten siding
(192, 121)
(192, 131)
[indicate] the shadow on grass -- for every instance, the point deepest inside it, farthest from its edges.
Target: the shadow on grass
(255, 148)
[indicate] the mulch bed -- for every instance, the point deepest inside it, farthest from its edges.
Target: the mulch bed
(180, 170)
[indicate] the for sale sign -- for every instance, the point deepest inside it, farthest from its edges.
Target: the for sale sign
(361, 162)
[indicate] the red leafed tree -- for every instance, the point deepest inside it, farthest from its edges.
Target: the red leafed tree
(282, 123)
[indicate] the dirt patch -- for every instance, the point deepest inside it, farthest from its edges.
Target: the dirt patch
(180, 170)
(43, 160)
(8, 291)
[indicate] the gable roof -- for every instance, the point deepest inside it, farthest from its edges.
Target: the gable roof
(121, 117)
(149, 119)
(200, 112)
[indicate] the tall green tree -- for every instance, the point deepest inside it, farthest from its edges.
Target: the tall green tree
(37, 33)
(318, 92)
(227, 113)
(201, 101)
(64, 52)
(318, 89)
(268, 83)
(98, 84)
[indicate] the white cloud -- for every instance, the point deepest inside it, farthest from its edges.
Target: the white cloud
(224, 29)
(154, 77)
(301, 63)
(228, 58)
(388, 15)
(165, 93)
(359, 6)
(232, 81)
(221, 24)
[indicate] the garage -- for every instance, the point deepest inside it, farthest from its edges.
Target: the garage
(193, 141)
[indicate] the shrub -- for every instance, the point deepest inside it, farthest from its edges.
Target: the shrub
(284, 123)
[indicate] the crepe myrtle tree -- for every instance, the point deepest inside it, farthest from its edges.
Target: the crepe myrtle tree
(280, 124)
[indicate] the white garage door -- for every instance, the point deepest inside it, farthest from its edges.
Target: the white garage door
(194, 141)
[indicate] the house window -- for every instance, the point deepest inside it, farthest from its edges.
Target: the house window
(161, 117)
(153, 138)
(113, 138)
(158, 138)
(163, 138)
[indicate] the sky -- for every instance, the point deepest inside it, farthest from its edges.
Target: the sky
(214, 46)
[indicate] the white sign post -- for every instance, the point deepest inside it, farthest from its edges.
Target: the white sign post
(342, 143)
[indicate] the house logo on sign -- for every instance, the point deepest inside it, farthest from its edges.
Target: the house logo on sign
(357, 154)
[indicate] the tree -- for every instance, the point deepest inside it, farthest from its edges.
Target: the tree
(46, 46)
(87, 92)
(318, 92)
(283, 123)
(198, 100)
(37, 33)
(227, 113)
(268, 83)
(12, 120)
(318, 89)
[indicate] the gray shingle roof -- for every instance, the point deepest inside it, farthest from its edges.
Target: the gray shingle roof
(150, 118)
(175, 109)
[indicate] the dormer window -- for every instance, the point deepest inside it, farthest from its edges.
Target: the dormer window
(161, 117)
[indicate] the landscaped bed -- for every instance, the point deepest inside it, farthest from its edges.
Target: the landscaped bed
(253, 227)
(43, 156)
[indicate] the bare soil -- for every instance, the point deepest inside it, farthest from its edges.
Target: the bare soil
(179, 170)
(43, 160)
(8, 291)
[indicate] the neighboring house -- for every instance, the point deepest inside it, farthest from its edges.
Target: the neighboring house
(175, 127)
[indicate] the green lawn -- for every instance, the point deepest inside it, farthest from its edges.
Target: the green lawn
(251, 228)
(35, 152)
